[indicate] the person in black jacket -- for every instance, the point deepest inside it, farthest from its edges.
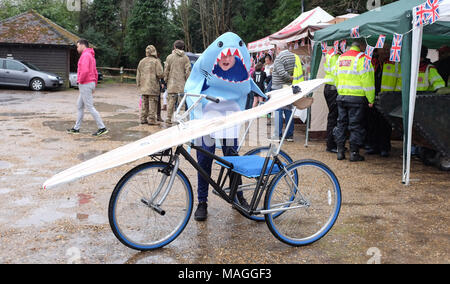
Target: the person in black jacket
(259, 76)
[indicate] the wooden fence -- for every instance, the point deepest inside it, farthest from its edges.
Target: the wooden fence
(124, 73)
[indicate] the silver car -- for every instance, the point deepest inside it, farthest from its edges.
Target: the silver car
(20, 73)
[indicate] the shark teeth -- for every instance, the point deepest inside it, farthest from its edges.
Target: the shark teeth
(229, 52)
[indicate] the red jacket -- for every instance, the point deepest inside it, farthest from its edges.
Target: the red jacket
(87, 70)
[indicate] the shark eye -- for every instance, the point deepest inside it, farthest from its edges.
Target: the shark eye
(220, 44)
(241, 43)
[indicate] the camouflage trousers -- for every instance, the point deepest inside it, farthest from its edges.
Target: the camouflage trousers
(149, 109)
(172, 100)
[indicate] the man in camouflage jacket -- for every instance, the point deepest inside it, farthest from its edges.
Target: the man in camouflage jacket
(149, 73)
(176, 73)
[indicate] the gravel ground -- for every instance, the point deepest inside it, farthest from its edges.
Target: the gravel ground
(381, 219)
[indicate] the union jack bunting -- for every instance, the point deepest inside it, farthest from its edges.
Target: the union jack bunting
(432, 7)
(369, 52)
(420, 15)
(368, 56)
(336, 47)
(396, 48)
(324, 48)
(367, 62)
(380, 42)
(355, 32)
(343, 45)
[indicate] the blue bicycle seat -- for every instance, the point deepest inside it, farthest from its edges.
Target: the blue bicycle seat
(249, 166)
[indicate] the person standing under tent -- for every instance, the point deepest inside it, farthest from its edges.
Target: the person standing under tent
(356, 89)
(330, 93)
(429, 79)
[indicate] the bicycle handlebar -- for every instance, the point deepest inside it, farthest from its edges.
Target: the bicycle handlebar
(213, 99)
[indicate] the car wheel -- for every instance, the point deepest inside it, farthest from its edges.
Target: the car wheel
(37, 84)
(444, 164)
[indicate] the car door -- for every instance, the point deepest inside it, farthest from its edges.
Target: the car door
(2, 72)
(15, 73)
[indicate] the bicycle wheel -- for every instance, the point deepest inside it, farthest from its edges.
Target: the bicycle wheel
(249, 191)
(138, 225)
(310, 206)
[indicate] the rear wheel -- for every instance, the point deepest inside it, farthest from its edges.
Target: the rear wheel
(37, 84)
(134, 216)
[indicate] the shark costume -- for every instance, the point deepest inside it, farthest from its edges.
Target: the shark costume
(231, 87)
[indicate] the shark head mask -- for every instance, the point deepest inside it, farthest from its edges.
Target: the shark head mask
(231, 86)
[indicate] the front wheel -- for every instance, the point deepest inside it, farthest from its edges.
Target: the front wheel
(134, 216)
(37, 84)
(309, 204)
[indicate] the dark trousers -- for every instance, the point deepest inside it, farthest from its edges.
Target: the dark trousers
(229, 148)
(379, 131)
(351, 118)
(331, 94)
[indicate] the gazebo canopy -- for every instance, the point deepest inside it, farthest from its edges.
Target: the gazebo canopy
(387, 20)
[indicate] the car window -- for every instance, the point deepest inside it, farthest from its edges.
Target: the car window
(1, 63)
(29, 65)
(13, 65)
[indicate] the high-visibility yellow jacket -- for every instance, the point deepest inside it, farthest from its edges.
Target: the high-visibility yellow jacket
(298, 71)
(354, 83)
(391, 80)
(330, 65)
(429, 79)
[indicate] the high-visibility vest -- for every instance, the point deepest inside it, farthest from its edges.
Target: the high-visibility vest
(391, 80)
(429, 79)
(352, 79)
(330, 66)
(298, 71)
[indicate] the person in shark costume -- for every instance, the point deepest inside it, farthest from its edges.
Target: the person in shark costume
(221, 72)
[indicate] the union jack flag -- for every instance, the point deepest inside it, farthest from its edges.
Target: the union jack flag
(432, 7)
(336, 47)
(396, 48)
(380, 42)
(355, 32)
(343, 45)
(420, 15)
(367, 62)
(368, 56)
(324, 48)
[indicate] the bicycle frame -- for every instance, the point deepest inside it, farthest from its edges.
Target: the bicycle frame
(262, 182)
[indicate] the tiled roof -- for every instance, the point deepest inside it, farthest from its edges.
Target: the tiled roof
(32, 28)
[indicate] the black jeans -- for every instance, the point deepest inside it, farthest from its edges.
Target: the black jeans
(331, 94)
(351, 118)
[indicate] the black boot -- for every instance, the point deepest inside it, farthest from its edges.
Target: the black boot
(341, 153)
(356, 157)
(202, 212)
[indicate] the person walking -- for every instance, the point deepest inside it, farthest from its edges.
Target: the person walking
(148, 75)
(356, 89)
(87, 79)
(177, 71)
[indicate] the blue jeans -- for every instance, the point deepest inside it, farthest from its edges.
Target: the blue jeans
(229, 148)
(287, 115)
